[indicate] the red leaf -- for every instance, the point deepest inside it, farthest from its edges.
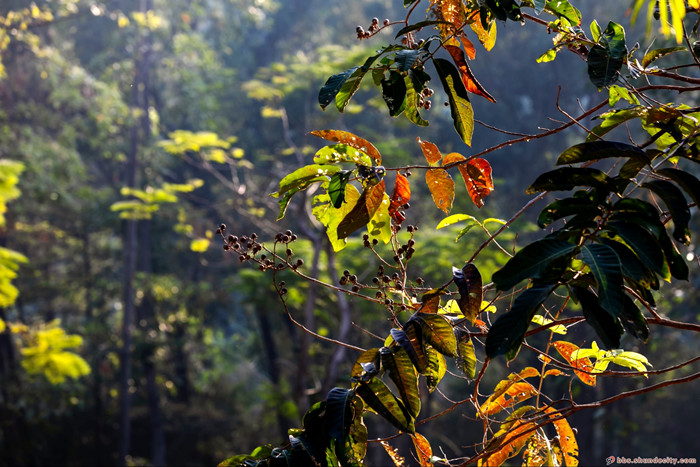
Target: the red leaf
(345, 137)
(477, 177)
(468, 77)
(468, 47)
(430, 151)
(400, 196)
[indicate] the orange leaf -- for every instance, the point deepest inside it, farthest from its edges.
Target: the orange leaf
(477, 177)
(516, 392)
(452, 158)
(511, 444)
(468, 47)
(565, 349)
(345, 137)
(441, 187)
(567, 439)
(400, 196)
(527, 372)
(553, 372)
(468, 77)
(451, 11)
(394, 454)
(423, 449)
(430, 151)
(375, 196)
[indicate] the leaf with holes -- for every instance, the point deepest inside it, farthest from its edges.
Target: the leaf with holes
(515, 392)
(567, 438)
(430, 151)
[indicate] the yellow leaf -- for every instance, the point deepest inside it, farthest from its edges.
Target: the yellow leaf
(199, 245)
(567, 439)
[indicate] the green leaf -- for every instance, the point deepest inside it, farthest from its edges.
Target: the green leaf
(338, 412)
(596, 32)
(336, 187)
(402, 372)
(618, 92)
(594, 150)
(508, 331)
(567, 178)
(605, 325)
(394, 93)
(466, 360)
(633, 320)
(606, 58)
(676, 263)
(336, 153)
(568, 207)
(454, 218)
(362, 212)
(377, 396)
(410, 338)
(564, 9)
(470, 286)
(412, 97)
(605, 266)
(631, 266)
(656, 54)
(301, 178)
(437, 367)
(644, 245)
(532, 261)
(419, 25)
(333, 85)
(460, 106)
(349, 88)
(438, 332)
(677, 206)
(689, 183)
(331, 217)
(613, 119)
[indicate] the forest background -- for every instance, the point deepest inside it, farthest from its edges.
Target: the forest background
(133, 129)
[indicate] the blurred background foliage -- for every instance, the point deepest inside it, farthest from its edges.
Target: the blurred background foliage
(175, 116)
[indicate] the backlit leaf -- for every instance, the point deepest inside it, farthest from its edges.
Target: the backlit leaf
(566, 349)
(460, 107)
(468, 78)
(656, 54)
(368, 363)
(393, 452)
(423, 450)
(399, 196)
(410, 338)
(430, 151)
(412, 100)
(377, 396)
(567, 438)
(516, 392)
(477, 177)
(402, 372)
(510, 444)
(438, 332)
(349, 88)
(508, 331)
(301, 179)
(330, 89)
(363, 210)
(345, 137)
(336, 187)
(442, 188)
(542, 321)
(466, 360)
(331, 217)
(532, 261)
(437, 367)
(335, 153)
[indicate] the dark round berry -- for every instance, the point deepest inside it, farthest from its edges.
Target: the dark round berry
(420, 281)
(359, 29)
(375, 280)
(352, 278)
(343, 280)
(375, 20)
(289, 252)
(355, 288)
(222, 227)
(387, 22)
(346, 273)
(300, 262)
(282, 283)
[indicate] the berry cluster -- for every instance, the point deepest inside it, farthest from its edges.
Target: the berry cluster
(371, 30)
(247, 248)
(424, 98)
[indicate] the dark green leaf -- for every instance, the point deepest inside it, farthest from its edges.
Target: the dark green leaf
(333, 85)
(568, 207)
(412, 98)
(605, 325)
(470, 285)
(631, 266)
(299, 180)
(394, 93)
(410, 338)
(564, 9)
(632, 167)
(532, 262)
(338, 412)
(352, 450)
(419, 25)
(377, 396)
(685, 180)
(633, 320)
(406, 58)
(602, 68)
(402, 372)
(605, 266)
(595, 150)
(677, 206)
(438, 332)
(336, 187)
(676, 263)
(613, 119)
(642, 243)
(508, 332)
(567, 178)
(460, 107)
(349, 88)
